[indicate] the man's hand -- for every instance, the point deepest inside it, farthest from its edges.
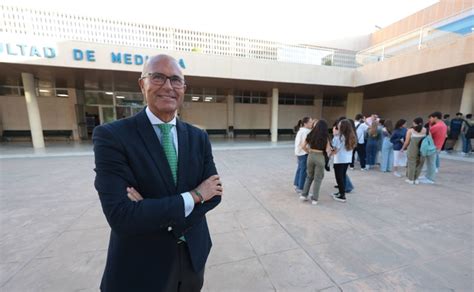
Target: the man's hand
(133, 195)
(208, 189)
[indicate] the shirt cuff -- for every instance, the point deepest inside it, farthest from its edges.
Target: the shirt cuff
(188, 203)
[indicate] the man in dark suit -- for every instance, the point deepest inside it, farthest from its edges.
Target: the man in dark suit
(156, 180)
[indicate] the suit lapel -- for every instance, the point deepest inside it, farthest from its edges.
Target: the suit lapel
(153, 145)
(183, 150)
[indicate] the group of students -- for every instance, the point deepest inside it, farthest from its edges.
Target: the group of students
(459, 128)
(373, 141)
(314, 148)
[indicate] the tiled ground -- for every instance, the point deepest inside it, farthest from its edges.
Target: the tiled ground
(388, 236)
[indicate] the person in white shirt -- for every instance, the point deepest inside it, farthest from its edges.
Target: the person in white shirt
(302, 128)
(361, 130)
(343, 144)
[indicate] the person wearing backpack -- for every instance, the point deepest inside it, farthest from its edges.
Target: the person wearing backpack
(360, 129)
(447, 122)
(412, 144)
(455, 128)
(437, 129)
(467, 133)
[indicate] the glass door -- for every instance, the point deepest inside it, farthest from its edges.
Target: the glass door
(107, 114)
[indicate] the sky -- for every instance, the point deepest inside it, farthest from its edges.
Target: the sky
(289, 21)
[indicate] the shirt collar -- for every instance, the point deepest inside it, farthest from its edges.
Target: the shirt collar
(154, 120)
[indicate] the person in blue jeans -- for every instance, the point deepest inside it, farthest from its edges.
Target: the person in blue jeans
(466, 139)
(302, 128)
(374, 135)
(387, 147)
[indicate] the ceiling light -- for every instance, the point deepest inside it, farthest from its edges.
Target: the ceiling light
(120, 96)
(62, 95)
(109, 93)
(44, 90)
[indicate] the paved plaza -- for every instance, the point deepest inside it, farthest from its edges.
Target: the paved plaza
(388, 236)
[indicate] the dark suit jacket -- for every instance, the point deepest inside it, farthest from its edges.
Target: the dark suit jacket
(141, 249)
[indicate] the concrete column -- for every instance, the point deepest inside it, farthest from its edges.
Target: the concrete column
(230, 114)
(33, 110)
(74, 117)
(467, 105)
(318, 107)
(355, 101)
(274, 129)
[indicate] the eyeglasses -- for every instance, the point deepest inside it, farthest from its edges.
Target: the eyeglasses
(160, 80)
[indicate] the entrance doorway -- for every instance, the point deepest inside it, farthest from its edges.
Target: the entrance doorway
(97, 115)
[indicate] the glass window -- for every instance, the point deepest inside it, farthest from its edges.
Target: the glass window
(334, 101)
(129, 99)
(98, 97)
(61, 92)
(6, 90)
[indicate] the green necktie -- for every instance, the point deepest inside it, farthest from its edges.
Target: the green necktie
(168, 147)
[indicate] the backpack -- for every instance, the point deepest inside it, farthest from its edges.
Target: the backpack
(470, 130)
(427, 146)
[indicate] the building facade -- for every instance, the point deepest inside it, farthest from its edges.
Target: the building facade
(66, 72)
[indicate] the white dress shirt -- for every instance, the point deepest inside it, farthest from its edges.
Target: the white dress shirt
(154, 120)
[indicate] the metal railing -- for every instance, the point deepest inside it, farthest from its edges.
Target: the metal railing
(64, 26)
(440, 32)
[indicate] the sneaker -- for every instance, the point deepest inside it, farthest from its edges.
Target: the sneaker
(351, 168)
(422, 177)
(298, 191)
(303, 198)
(340, 198)
(314, 202)
(417, 181)
(364, 169)
(335, 194)
(426, 181)
(412, 182)
(397, 174)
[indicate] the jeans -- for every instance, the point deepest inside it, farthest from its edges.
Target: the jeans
(372, 148)
(431, 166)
(349, 187)
(437, 159)
(466, 144)
(387, 155)
(300, 175)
